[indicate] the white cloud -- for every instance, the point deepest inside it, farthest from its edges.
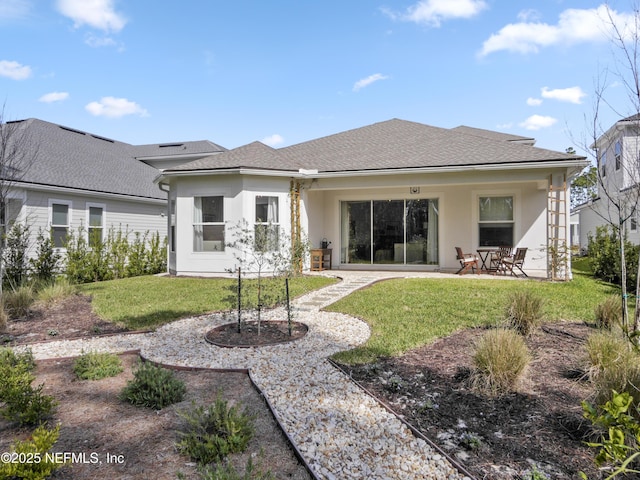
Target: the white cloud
(574, 26)
(112, 107)
(534, 102)
(504, 126)
(98, 14)
(12, 9)
(365, 82)
(537, 122)
(529, 15)
(433, 12)
(53, 97)
(571, 95)
(95, 42)
(14, 70)
(273, 140)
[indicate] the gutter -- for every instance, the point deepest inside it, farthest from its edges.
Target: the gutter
(314, 174)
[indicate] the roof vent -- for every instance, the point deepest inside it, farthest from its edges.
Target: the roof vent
(72, 130)
(103, 138)
(167, 145)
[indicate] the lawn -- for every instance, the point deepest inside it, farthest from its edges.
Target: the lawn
(151, 301)
(407, 313)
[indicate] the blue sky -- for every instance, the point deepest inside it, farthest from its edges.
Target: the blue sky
(287, 71)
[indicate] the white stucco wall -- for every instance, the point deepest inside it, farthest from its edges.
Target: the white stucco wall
(457, 194)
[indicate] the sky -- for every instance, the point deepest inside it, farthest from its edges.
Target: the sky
(287, 71)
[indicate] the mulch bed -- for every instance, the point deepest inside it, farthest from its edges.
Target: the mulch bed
(253, 335)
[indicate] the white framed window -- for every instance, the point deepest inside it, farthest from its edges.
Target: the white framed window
(9, 213)
(496, 223)
(267, 224)
(603, 164)
(633, 223)
(95, 223)
(208, 224)
(60, 221)
(618, 154)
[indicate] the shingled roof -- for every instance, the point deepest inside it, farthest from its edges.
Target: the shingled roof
(66, 157)
(389, 145)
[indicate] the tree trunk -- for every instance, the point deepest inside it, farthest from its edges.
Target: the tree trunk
(623, 282)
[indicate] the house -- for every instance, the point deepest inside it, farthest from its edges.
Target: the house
(67, 179)
(618, 162)
(393, 195)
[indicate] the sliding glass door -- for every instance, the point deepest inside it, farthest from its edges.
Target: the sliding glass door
(401, 232)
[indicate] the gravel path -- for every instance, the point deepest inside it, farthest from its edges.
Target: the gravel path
(341, 431)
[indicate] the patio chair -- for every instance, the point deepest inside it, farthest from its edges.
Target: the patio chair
(467, 261)
(495, 261)
(515, 261)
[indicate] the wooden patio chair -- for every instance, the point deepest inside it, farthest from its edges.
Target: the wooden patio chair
(467, 261)
(515, 261)
(495, 261)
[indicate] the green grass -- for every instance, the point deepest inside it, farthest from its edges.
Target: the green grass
(150, 301)
(404, 314)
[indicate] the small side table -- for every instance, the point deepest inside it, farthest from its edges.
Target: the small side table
(320, 259)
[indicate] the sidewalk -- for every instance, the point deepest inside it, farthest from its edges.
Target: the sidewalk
(340, 430)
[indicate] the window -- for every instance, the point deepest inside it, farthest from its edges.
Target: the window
(633, 224)
(267, 227)
(496, 223)
(603, 164)
(618, 154)
(95, 225)
(8, 214)
(60, 223)
(208, 224)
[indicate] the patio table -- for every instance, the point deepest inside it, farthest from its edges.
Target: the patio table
(485, 254)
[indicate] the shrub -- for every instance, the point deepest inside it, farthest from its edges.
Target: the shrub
(614, 365)
(18, 301)
(46, 263)
(22, 402)
(16, 260)
(500, 360)
(95, 366)
(604, 256)
(214, 432)
(619, 447)
(524, 312)
(54, 292)
(36, 448)
(153, 387)
(609, 312)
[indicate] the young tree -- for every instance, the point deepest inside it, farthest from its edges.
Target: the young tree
(619, 181)
(18, 151)
(585, 186)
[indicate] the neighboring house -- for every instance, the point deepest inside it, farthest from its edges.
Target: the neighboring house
(618, 156)
(392, 195)
(74, 179)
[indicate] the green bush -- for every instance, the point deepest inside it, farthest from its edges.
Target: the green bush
(524, 312)
(16, 260)
(96, 365)
(54, 292)
(619, 445)
(153, 387)
(609, 313)
(46, 263)
(604, 255)
(21, 402)
(36, 448)
(614, 365)
(500, 359)
(214, 432)
(18, 301)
